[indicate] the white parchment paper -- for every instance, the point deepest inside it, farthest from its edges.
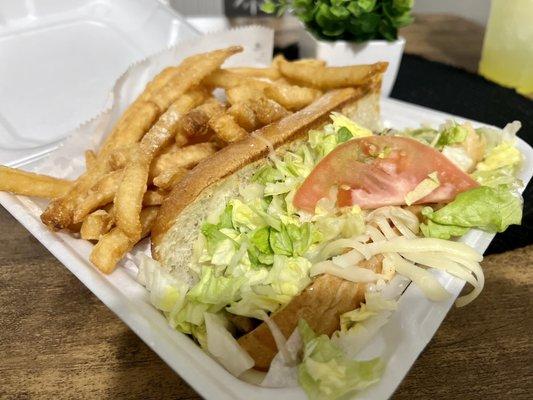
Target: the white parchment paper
(68, 160)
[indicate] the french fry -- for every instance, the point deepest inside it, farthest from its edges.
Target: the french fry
(96, 224)
(243, 94)
(115, 244)
(292, 97)
(131, 127)
(303, 62)
(185, 157)
(244, 116)
(129, 195)
(191, 72)
(267, 110)
(226, 129)
(195, 125)
(31, 184)
(100, 195)
(331, 77)
(90, 159)
(226, 79)
(138, 118)
(154, 197)
(268, 73)
(170, 177)
(119, 158)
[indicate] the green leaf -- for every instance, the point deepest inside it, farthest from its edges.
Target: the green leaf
(366, 5)
(486, 208)
(267, 174)
(432, 229)
(225, 219)
(326, 374)
(402, 6)
(452, 135)
(280, 241)
(268, 7)
(344, 135)
(215, 290)
(260, 239)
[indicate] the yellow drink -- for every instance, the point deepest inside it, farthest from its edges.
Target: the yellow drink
(507, 57)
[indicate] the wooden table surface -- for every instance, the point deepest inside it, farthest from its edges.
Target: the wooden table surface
(57, 340)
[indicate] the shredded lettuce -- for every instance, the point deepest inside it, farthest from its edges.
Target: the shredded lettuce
(359, 326)
(326, 374)
(503, 155)
(289, 275)
(347, 129)
(486, 208)
(453, 133)
(215, 290)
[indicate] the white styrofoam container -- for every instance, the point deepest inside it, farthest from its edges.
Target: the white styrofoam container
(59, 60)
(399, 342)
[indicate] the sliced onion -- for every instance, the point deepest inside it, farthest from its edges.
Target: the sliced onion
(279, 339)
(353, 273)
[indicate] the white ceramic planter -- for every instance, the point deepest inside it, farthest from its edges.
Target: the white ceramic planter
(340, 52)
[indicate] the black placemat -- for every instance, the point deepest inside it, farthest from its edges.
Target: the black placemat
(462, 93)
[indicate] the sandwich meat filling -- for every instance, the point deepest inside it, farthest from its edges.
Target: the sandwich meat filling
(362, 208)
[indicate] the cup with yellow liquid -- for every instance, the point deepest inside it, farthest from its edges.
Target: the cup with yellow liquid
(507, 56)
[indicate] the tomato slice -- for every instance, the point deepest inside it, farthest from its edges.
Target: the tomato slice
(376, 171)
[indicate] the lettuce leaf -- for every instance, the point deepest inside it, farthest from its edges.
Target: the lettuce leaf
(452, 134)
(486, 208)
(326, 374)
(215, 290)
(289, 275)
(344, 125)
(435, 230)
(503, 155)
(496, 177)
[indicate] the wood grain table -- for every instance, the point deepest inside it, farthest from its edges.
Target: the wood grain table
(57, 340)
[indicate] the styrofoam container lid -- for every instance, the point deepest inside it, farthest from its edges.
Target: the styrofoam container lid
(59, 60)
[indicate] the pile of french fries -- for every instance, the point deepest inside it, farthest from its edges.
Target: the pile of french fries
(175, 123)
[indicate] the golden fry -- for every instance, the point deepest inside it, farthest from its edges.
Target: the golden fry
(227, 79)
(154, 197)
(244, 116)
(331, 77)
(194, 125)
(292, 97)
(115, 244)
(100, 195)
(129, 195)
(31, 184)
(267, 110)
(191, 72)
(131, 127)
(185, 157)
(268, 73)
(226, 129)
(243, 93)
(96, 224)
(119, 158)
(170, 177)
(303, 62)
